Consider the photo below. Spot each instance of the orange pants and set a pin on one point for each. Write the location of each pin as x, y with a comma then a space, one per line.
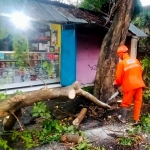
135, 95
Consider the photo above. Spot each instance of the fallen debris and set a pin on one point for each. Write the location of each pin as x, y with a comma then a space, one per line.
80, 117
72, 138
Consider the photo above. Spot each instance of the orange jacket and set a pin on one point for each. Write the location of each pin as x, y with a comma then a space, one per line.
129, 74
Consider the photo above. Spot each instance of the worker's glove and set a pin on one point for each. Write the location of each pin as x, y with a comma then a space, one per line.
115, 86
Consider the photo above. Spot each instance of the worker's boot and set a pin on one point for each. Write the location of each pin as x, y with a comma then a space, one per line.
123, 114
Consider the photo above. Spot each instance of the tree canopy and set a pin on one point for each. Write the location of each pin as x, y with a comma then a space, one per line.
143, 20
106, 5
92, 4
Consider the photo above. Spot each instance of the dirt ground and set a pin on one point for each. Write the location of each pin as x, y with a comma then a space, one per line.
104, 132
100, 131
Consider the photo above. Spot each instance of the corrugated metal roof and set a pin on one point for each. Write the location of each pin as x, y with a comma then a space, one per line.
38, 11
35, 10
48, 12
136, 31
71, 18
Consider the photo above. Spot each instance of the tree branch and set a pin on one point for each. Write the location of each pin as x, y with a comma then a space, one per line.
19, 101
17, 121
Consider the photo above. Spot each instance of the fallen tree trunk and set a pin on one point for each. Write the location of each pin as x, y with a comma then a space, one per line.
8, 107
80, 117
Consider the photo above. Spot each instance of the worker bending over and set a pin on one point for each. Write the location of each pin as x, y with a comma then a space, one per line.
129, 76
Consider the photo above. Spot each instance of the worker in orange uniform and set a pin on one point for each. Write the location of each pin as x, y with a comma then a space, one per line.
129, 76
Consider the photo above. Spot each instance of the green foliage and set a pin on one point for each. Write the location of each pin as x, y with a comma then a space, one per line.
49, 130
18, 92
145, 121
85, 145
145, 42
146, 96
20, 45
146, 66
40, 109
4, 96
88, 89
126, 141
21, 48
92, 4
26, 138
52, 129
144, 127
101, 148
4, 144
49, 126
147, 147
97, 4
134, 131
142, 20
48, 66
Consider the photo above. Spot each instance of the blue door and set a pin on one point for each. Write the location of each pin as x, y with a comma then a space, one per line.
68, 58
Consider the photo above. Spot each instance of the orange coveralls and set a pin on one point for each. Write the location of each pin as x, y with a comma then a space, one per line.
129, 76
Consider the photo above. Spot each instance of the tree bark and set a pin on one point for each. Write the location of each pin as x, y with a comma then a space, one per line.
11, 106
108, 59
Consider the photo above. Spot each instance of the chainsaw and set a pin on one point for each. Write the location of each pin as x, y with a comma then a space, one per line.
113, 96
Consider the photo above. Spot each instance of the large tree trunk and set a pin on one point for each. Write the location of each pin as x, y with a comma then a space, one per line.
108, 59
10, 108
